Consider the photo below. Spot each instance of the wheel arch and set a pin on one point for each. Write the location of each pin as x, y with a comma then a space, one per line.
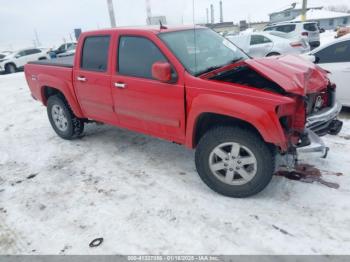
219, 111
207, 121
49, 90
11, 63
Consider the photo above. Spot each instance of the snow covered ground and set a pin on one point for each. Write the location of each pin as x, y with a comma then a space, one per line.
143, 195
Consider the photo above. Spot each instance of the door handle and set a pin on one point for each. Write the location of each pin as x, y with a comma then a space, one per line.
120, 85
81, 79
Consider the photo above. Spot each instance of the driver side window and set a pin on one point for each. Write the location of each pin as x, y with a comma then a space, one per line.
137, 55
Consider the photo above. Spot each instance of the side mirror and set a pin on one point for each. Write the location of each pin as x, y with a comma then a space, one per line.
17, 56
322, 30
311, 58
161, 71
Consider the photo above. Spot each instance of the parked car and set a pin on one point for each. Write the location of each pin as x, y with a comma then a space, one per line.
69, 52
245, 117
335, 58
264, 44
63, 49
295, 30
11, 62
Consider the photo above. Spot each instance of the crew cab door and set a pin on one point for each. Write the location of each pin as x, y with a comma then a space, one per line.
141, 102
336, 59
92, 78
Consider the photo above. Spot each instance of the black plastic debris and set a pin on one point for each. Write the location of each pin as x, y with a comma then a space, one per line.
96, 242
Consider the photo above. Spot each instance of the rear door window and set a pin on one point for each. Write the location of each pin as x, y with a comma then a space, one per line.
336, 53
32, 51
271, 28
137, 55
311, 27
285, 28
95, 53
259, 39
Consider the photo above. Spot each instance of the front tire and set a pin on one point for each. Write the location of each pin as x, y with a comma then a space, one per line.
62, 119
10, 69
234, 162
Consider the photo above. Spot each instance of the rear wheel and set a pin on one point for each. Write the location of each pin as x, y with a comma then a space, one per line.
10, 69
62, 119
234, 162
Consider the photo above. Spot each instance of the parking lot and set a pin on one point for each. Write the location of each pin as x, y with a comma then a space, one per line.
143, 195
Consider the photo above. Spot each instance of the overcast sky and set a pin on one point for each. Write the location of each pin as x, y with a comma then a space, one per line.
55, 20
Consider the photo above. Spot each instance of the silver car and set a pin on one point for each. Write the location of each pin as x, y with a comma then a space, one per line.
295, 30
259, 44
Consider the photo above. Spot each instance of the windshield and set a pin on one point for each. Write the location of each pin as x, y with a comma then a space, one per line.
202, 50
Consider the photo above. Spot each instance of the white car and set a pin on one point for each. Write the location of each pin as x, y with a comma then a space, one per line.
295, 30
264, 44
10, 62
69, 52
335, 58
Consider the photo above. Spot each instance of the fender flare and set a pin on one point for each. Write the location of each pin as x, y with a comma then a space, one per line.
265, 122
64, 87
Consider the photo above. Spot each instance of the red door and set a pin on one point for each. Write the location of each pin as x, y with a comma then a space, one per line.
142, 103
93, 79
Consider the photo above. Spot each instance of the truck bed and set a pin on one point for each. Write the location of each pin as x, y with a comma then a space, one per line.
67, 61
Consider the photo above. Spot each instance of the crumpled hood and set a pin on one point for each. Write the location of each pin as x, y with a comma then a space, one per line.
293, 73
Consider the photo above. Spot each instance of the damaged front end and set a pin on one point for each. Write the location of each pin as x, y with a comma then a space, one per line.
313, 111
321, 118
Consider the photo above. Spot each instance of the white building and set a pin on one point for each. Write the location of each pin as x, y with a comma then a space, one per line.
326, 19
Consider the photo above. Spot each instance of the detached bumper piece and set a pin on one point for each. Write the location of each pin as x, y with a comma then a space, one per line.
312, 145
325, 121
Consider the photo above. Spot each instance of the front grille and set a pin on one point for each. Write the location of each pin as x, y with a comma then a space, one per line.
318, 101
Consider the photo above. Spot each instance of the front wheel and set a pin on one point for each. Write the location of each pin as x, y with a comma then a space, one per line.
234, 162
10, 69
62, 119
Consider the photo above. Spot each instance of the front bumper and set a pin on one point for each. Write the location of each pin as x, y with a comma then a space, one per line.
324, 121
318, 124
316, 147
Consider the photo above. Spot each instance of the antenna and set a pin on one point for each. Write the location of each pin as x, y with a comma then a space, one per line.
161, 25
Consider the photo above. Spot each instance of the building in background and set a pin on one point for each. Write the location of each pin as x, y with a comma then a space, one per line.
328, 20
156, 20
289, 13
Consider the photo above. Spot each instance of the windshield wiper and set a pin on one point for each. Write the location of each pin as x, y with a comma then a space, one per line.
212, 68
209, 69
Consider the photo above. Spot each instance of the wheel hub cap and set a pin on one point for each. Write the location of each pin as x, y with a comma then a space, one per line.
233, 164
59, 118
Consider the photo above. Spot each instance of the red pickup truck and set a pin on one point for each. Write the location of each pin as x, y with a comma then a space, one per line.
245, 117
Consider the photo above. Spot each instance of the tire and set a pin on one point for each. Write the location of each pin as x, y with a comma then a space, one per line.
62, 119
251, 148
273, 54
10, 69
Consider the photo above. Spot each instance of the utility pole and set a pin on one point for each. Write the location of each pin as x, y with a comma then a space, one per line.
148, 11
111, 13
207, 16
304, 11
221, 13
212, 18
37, 38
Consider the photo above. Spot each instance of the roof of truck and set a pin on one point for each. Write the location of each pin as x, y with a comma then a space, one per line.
153, 29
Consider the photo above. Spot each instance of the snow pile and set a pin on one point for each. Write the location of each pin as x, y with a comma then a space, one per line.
143, 195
